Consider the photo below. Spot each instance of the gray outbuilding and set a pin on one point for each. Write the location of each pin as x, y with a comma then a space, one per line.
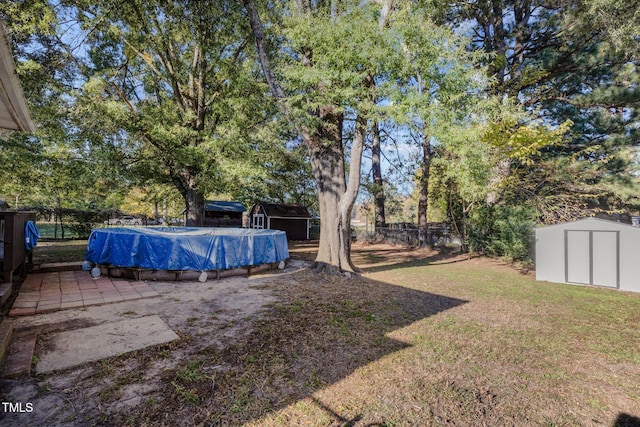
590, 252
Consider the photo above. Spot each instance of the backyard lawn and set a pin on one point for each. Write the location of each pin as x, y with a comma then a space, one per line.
419, 339
59, 251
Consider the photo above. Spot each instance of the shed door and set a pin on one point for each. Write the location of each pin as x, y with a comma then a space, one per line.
592, 257
605, 258
258, 221
578, 257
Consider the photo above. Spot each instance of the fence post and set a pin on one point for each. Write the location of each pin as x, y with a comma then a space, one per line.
422, 237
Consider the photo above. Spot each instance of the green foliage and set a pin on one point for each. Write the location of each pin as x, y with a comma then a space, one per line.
346, 50
522, 142
56, 165
502, 230
461, 165
569, 145
619, 19
143, 94
150, 94
357, 65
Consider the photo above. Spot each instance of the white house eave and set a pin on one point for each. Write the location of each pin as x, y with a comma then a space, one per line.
14, 113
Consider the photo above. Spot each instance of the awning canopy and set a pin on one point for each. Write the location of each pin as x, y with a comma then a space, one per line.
14, 113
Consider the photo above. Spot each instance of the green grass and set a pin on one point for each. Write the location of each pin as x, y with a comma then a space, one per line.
186, 395
604, 320
59, 251
190, 373
51, 231
514, 352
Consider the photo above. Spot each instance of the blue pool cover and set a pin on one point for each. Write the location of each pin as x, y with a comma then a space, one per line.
186, 248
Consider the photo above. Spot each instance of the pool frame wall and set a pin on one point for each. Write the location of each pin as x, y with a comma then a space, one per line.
183, 275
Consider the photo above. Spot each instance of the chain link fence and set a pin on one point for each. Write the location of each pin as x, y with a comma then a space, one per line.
65, 224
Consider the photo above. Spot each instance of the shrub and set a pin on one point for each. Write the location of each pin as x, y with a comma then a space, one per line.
505, 231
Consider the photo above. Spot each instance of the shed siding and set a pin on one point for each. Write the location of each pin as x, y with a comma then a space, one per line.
292, 219
296, 229
630, 262
550, 255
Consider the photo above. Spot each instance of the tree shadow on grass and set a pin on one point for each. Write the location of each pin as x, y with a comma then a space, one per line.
322, 329
626, 420
411, 259
372, 258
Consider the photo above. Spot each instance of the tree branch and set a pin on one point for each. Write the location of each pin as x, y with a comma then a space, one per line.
258, 36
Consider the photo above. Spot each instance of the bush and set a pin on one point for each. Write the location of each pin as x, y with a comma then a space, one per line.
505, 231
63, 223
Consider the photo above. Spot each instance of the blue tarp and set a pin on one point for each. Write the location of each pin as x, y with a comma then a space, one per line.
186, 248
31, 235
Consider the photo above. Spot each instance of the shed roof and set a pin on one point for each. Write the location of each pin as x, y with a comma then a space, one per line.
223, 206
593, 222
14, 113
282, 210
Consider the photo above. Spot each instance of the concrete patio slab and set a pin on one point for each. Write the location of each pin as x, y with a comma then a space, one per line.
75, 347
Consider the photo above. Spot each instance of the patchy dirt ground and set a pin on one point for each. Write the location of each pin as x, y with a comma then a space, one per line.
208, 315
224, 319
421, 338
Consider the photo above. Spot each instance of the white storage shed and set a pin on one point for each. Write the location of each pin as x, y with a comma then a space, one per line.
591, 252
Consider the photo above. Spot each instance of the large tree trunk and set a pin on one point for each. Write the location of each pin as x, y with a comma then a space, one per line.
336, 196
194, 204
423, 190
378, 186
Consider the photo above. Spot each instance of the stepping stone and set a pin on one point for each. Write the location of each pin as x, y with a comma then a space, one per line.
76, 347
20, 355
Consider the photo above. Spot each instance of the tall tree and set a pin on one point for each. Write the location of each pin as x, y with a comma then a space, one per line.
560, 62
511, 32
338, 63
449, 96
376, 167
54, 166
147, 94
176, 78
323, 95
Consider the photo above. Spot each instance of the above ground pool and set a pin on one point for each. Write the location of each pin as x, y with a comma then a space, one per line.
186, 248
